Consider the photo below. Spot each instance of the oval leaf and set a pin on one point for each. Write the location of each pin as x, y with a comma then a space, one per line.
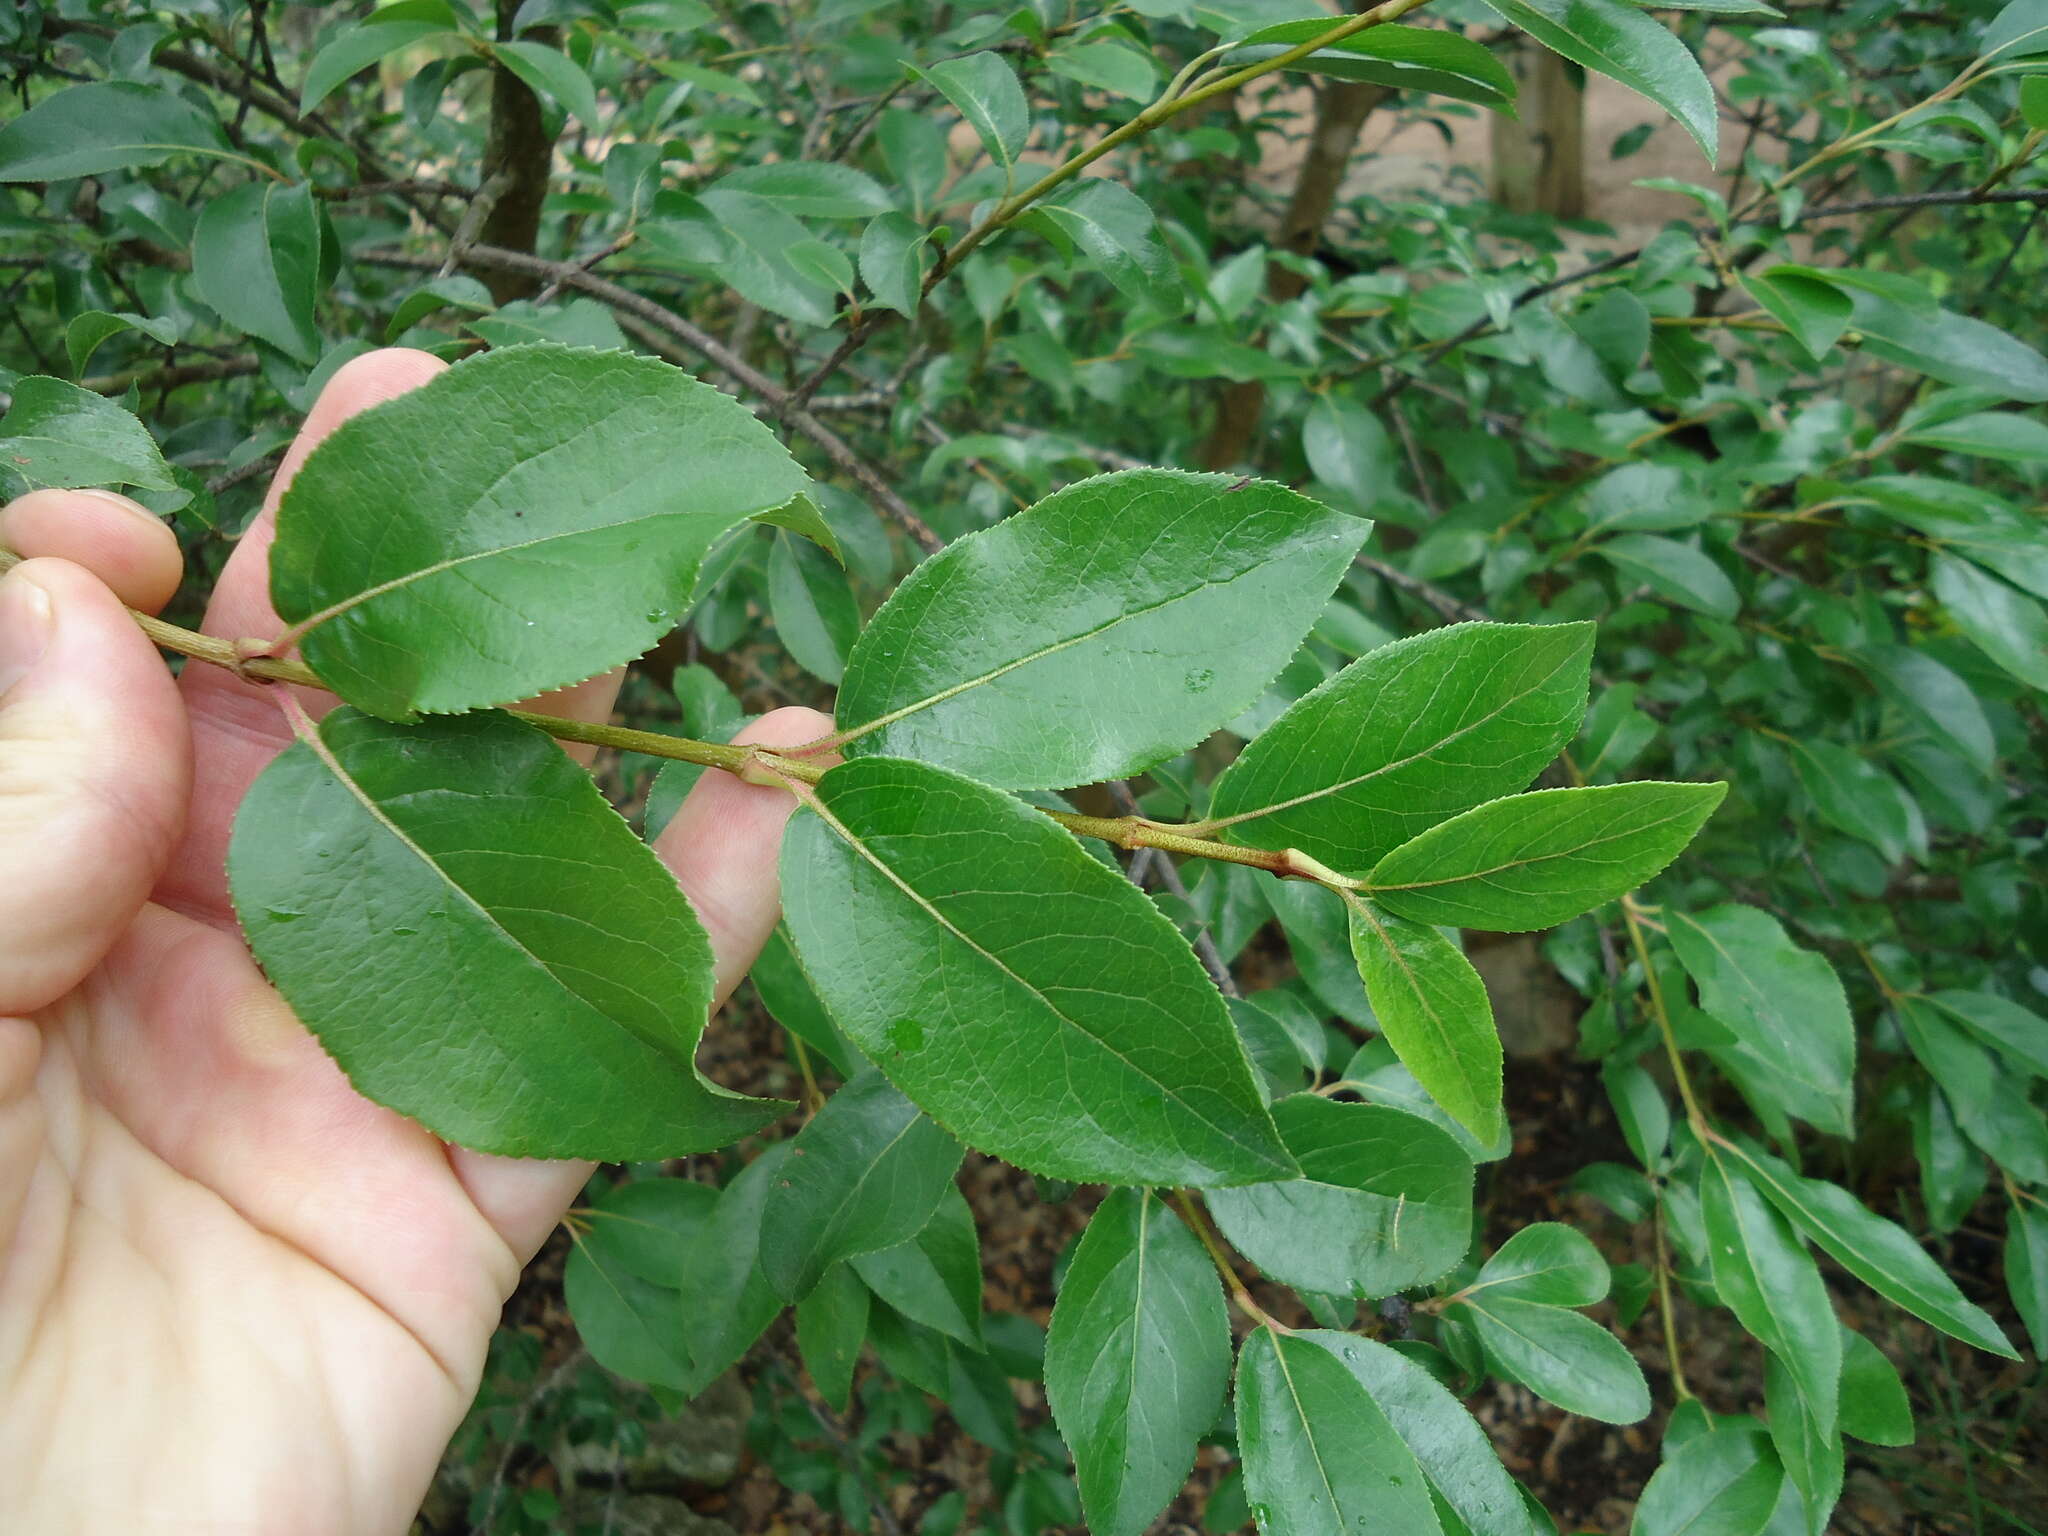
1617, 40
87, 130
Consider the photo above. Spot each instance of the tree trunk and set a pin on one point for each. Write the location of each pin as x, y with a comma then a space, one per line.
518, 156
1539, 163
1342, 107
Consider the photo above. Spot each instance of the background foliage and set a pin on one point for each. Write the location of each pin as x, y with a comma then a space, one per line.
1781, 449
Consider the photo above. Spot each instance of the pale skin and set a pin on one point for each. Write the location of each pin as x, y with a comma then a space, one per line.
235, 1296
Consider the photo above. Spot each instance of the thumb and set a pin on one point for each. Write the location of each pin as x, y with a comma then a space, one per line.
95, 769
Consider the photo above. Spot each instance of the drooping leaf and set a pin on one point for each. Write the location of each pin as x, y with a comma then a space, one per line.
892, 262
2017, 31
1383, 1204
831, 1324
1616, 39
1989, 434
1878, 1252
1035, 1002
426, 571
649, 1227
1320, 1458
1956, 349
1115, 229
1547, 1262
553, 75
934, 1278
1814, 1462
1855, 795
1723, 1483
815, 615
1136, 1359
82, 337
1562, 1356
1875, 1408
1456, 1455
866, 1174
56, 434
481, 942
984, 90
1783, 1004
355, 49
1433, 1009
1112, 626
1536, 860
256, 258
725, 1286
1677, 572
2019, 1033
632, 1322
1405, 736
1432, 59
2026, 1269
1814, 312
88, 130
1933, 695
2006, 624
1771, 1283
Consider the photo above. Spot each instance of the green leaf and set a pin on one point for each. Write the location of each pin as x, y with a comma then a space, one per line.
575, 322
1383, 1203
1432, 59
1784, 1005
1318, 936
892, 262
1136, 1359
815, 615
1112, 626
2034, 101
1536, 860
1348, 449
1953, 348
552, 74
1880, 1253
1723, 1483
1766, 1277
1456, 1455
831, 1324
56, 434
426, 571
355, 49
1925, 689
622, 1281
1961, 1067
82, 337
1405, 736
865, 1174
2017, 31
650, 1226
88, 130
480, 942
1619, 41
1433, 1009
1036, 1003
811, 188
1990, 434
1970, 521
2004, 623
1875, 1409
786, 993
1549, 1263
1114, 67
935, 1277
2026, 1269
256, 260
984, 90
730, 1302
2020, 1033
1854, 795
1560, 1355
1115, 229
1676, 572
1815, 313
1320, 1458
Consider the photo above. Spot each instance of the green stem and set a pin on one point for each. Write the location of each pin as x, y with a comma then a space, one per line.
1694, 1115
1182, 1201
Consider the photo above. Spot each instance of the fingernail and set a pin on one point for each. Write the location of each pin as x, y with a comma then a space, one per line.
125, 503
24, 627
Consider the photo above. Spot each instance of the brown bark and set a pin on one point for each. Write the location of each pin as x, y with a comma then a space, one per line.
1539, 162
1342, 107
518, 156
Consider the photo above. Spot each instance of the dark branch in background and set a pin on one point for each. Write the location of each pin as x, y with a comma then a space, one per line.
199, 372
518, 155
664, 329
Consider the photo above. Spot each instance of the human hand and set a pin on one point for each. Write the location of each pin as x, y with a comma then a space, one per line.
235, 1296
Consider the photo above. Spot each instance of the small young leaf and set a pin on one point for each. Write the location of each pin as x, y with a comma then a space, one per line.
831, 1324
1772, 1285
1723, 1483
1405, 736
1549, 1263
1875, 1408
1784, 1005
256, 259
1320, 1458
429, 571
1383, 1204
88, 130
866, 1174
1533, 861
1110, 627
985, 91
935, 1278
1136, 1359
1035, 1002
1433, 1009
56, 434
481, 942
1617, 40
1560, 1355
1880, 1253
